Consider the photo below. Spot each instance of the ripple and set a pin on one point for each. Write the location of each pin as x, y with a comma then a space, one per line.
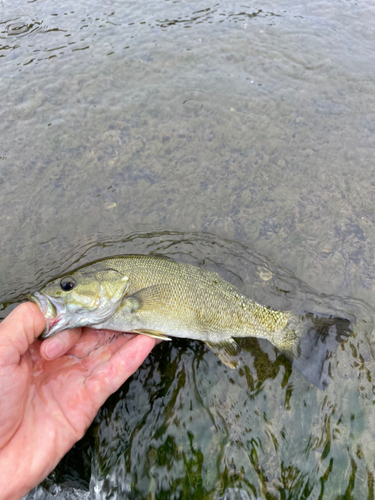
210, 14
20, 28
192, 101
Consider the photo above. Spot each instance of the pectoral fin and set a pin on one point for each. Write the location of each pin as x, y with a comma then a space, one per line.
152, 333
226, 351
152, 297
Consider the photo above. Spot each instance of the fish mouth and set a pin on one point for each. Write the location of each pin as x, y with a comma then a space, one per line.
52, 309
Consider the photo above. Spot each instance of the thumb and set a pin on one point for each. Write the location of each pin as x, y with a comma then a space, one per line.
18, 330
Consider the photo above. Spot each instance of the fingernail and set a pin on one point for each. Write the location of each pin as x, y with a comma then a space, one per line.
54, 348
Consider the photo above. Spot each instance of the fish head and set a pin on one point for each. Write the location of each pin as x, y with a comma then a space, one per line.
82, 298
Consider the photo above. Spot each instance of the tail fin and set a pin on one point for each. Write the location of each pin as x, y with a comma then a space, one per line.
320, 336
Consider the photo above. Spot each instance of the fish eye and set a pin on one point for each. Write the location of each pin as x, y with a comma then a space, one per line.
68, 283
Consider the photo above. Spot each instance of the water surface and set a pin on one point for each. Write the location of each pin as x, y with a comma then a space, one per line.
234, 136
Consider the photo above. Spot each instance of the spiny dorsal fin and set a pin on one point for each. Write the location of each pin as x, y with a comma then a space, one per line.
226, 351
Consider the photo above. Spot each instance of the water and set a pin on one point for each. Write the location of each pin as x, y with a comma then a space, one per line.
186, 426
234, 136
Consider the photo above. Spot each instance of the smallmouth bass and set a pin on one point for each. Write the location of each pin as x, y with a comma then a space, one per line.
161, 298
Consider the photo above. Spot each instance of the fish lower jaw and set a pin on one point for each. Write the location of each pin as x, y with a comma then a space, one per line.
51, 323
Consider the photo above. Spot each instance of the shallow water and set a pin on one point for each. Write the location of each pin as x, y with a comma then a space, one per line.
237, 137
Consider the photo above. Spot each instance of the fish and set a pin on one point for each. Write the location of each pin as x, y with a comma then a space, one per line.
162, 298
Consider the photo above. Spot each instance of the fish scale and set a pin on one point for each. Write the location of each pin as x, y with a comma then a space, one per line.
198, 303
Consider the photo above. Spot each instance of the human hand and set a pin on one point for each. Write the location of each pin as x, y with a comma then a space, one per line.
51, 391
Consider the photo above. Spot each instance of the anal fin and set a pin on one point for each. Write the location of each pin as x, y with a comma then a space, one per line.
226, 351
151, 333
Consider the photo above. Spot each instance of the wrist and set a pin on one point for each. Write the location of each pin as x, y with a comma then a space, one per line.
12, 488
18, 474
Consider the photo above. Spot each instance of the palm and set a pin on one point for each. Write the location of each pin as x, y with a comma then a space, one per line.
48, 405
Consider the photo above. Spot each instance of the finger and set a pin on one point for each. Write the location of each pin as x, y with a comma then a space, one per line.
108, 377
19, 329
60, 343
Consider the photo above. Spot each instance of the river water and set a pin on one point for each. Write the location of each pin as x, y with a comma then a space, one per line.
236, 136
